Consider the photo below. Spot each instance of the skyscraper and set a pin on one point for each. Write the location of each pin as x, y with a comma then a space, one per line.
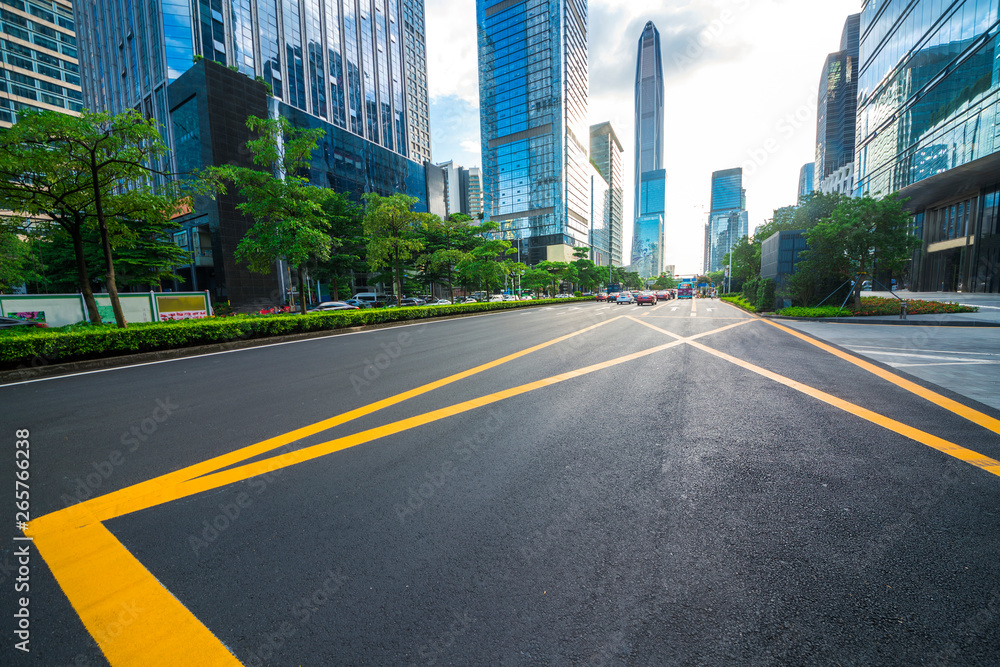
359, 65
533, 81
650, 177
727, 220
39, 66
928, 100
835, 115
806, 173
606, 151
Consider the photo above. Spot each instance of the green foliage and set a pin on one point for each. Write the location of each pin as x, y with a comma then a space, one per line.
822, 311
22, 348
15, 258
391, 228
578, 293
759, 293
877, 305
665, 282
738, 300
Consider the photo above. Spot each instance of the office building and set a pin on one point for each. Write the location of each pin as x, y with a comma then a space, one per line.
728, 220
928, 103
650, 177
460, 190
837, 105
345, 63
533, 81
39, 63
600, 218
339, 67
607, 153
806, 179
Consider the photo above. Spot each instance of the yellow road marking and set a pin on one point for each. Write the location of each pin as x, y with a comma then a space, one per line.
694, 307
940, 444
133, 618
964, 411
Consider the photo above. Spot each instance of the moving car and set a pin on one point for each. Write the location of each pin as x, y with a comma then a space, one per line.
602, 296
13, 322
646, 298
625, 297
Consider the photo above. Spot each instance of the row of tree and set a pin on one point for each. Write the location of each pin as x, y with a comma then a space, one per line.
850, 239
86, 207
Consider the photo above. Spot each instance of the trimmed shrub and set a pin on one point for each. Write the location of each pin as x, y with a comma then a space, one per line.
32, 347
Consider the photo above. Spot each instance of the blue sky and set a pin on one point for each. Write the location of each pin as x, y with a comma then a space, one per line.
741, 80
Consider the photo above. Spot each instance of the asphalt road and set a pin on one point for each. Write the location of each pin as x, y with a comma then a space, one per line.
573, 485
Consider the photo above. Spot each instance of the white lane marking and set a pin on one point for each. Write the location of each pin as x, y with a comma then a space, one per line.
875, 350
931, 356
945, 363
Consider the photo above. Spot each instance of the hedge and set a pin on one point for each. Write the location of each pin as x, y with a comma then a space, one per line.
33, 347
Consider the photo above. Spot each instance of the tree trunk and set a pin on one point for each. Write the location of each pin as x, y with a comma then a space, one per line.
399, 280
300, 274
109, 263
83, 276
336, 287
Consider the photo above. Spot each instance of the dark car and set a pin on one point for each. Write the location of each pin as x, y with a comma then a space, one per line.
645, 298
13, 322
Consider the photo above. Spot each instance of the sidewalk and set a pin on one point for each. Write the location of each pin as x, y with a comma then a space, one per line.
988, 315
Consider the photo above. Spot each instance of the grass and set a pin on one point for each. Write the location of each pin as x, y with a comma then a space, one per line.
879, 306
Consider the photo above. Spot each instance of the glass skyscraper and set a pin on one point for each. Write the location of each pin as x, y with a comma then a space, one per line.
650, 177
357, 64
606, 151
533, 81
728, 220
806, 186
39, 65
837, 106
929, 127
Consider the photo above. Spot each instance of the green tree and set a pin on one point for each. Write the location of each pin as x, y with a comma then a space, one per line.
91, 170
665, 282
391, 228
289, 219
348, 243
15, 258
862, 234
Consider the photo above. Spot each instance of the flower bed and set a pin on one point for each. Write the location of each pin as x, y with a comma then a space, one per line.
879, 305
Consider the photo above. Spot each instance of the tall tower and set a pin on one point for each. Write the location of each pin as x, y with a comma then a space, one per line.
358, 65
39, 66
533, 81
650, 176
606, 151
837, 112
728, 220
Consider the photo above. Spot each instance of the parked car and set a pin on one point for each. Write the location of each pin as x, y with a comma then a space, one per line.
439, 302
13, 322
625, 297
359, 303
496, 298
509, 297
645, 298
332, 305
467, 299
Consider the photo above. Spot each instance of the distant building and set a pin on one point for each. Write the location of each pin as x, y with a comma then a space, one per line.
606, 151
39, 63
533, 86
837, 107
806, 179
600, 218
650, 182
779, 253
728, 220
928, 98
454, 189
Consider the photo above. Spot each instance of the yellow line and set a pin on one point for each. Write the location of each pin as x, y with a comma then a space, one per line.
133, 618
694, 306
143, 496
948, 404
940, 444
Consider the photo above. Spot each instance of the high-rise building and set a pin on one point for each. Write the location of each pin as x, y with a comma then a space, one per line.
355, 69
461, 191
607, 153
39, 64
728, 220
359, 65
650, 177
835, 116
533, 81
806, 186
928, 100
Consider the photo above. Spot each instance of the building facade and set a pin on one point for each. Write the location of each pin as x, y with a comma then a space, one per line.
533, 80
650, 207
806, 182
928, 106
607, 153
460, 190
728, 220
359, 65
39, 62
837, 106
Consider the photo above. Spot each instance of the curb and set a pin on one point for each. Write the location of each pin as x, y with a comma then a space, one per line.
912, 323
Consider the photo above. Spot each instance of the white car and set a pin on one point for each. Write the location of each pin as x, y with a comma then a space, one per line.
439, 302
496, 298
509, 297
625, 297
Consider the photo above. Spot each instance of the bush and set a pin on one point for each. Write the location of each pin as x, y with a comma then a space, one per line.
738, 300
765, 295
822, 311
878, 305
24, 346
578, 294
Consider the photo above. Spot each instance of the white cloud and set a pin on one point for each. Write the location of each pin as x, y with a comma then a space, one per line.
741, 80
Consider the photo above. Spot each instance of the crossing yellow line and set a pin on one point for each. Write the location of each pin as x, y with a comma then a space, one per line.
134, 619
975, 416
940, 444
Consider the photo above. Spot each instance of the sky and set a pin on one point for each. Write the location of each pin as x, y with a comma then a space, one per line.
741, 81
